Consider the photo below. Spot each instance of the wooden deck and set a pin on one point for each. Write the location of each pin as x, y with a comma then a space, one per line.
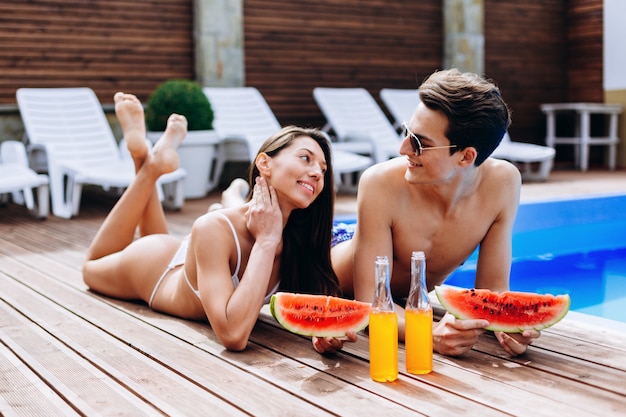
65, 351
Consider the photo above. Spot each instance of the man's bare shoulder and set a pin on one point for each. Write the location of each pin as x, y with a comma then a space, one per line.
500, 175
379, 188
501, 186
385, 173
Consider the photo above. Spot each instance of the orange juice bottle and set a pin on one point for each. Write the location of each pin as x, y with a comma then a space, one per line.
418, 320
383, 328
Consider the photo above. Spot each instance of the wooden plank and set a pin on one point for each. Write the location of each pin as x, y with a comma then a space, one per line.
591, 367
591, 334
255, 360
582, 365
276, 365
21, 388
132, 372
258, 358
202, 337
348, 366
546, 394
564, 381
161, 370
47, 255
81, 384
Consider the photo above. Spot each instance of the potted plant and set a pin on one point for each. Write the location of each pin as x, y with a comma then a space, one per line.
199, 149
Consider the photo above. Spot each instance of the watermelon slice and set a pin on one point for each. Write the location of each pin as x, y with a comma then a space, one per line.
319, 315
510, 311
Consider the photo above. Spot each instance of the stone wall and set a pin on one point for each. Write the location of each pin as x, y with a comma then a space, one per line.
464, 37
218, 36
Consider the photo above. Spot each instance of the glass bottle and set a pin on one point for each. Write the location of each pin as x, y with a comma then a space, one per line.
383, 327
418, 320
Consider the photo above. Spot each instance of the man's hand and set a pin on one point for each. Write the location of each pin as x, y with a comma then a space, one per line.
454, 337
516, 343
332, 344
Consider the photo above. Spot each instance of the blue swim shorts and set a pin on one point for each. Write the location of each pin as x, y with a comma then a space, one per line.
342, 232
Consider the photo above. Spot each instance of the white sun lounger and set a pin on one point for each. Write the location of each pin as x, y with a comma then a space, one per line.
244, 120
19, 181
67, 131
358, 122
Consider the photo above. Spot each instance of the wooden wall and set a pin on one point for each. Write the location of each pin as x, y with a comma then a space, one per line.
543, 51
108, 45
537, 51
585, 26
293, 46
585, 61
526, 54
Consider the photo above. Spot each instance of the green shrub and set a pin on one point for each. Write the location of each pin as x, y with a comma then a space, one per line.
183, 97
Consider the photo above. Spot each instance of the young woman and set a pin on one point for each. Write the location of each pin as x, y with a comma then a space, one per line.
233, 259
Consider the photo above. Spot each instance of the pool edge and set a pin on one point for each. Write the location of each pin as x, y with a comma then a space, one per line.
597, 321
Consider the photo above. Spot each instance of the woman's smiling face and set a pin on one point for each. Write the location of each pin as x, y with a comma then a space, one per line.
297, 172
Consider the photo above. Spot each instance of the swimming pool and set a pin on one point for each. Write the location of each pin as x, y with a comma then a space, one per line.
574, 246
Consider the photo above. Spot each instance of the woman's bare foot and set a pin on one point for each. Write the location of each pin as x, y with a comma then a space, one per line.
236, 193
215, 207
129, 112
233, 196
163, 155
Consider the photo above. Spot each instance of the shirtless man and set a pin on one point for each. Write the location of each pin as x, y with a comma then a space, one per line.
445, 197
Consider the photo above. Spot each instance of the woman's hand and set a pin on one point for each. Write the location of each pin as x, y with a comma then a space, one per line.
516, 343
263, 217
332, 344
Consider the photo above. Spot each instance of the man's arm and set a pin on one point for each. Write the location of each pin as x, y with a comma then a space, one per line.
502, 190
372, 236
494, 258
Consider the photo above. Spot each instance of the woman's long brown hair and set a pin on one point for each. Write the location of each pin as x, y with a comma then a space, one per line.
305, 264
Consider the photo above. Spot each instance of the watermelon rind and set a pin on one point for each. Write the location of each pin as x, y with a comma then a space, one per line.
323, 319
511, 305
